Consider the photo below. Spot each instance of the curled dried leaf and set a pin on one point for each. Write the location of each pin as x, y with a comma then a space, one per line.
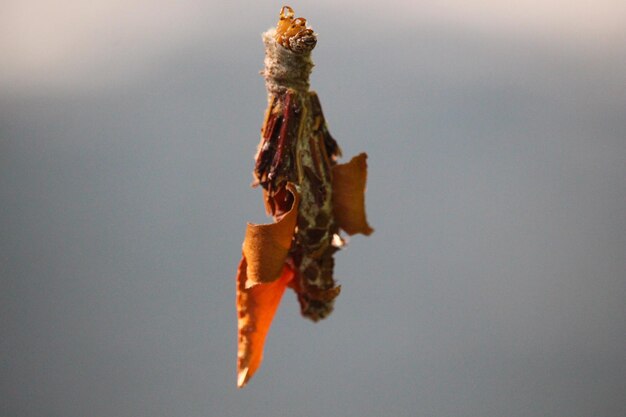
266, 246
349, 195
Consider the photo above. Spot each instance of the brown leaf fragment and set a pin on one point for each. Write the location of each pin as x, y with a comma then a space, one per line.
349, 195
319, 126
266, 246
256, 307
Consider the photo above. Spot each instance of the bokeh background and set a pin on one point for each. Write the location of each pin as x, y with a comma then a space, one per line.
494, 285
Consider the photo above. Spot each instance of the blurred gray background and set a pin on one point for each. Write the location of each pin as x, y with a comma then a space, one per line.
494, 285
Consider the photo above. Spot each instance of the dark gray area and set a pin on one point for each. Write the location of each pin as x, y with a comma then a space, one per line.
494, 285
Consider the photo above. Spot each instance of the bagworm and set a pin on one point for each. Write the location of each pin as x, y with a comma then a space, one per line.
310, 196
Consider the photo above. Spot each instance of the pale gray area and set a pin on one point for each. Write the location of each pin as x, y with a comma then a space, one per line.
494, 285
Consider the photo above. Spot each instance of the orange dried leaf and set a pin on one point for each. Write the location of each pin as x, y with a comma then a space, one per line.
349, 195
266, 246
256, 307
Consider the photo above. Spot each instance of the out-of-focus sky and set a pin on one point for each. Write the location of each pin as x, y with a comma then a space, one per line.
494, 285
73, 44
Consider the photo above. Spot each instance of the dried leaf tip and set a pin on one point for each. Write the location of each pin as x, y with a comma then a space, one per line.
256, 307
294, 34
